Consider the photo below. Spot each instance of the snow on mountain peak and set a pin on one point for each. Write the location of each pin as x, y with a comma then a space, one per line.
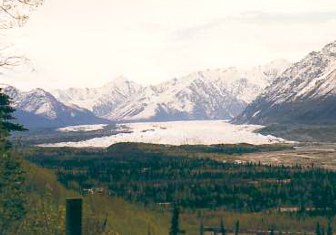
117, 81
100, 100
304, 92
2, 85
207, 94
330, 49
211, 93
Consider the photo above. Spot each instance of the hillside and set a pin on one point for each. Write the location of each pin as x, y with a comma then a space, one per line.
46, 210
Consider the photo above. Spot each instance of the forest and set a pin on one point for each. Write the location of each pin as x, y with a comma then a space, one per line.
152, 175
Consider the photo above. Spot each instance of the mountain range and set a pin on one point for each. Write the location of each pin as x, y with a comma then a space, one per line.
40, 109
304, 93
209, 94
278, 92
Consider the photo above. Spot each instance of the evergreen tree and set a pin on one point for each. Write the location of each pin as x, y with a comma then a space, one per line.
237, 228
222, 227
329, 229
318, 229
6, 120
12, 199
201, 228
174, 226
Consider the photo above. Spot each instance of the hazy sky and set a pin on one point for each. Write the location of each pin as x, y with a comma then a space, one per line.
87, 43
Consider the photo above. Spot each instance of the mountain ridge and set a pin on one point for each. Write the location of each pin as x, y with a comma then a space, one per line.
304, 93
208, 94
40, 109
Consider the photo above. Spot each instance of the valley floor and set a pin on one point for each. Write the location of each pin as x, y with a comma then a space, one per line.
321, 155
124, 168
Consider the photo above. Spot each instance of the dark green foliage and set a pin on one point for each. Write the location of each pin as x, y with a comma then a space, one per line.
6, 120
237, 228
160, 177
222, 228
174, 226
318, 229
12, 197
6, 115
227, 149
329, 229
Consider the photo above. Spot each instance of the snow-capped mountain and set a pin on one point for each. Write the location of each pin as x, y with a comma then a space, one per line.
101, 101
305, 92
195, 99
210, 94
38, 108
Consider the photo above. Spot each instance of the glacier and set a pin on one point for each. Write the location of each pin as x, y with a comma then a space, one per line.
179, 133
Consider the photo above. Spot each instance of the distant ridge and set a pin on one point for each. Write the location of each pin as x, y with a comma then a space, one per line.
209, 94
40, 109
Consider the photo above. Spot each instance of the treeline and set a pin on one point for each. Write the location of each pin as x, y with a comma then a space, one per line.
154, 177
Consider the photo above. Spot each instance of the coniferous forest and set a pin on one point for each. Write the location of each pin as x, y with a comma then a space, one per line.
154, 178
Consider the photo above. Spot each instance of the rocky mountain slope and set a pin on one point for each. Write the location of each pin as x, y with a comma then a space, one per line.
40, 109
210, 94
101, 101
304, 93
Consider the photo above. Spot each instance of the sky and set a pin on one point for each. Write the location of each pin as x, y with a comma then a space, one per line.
85, 43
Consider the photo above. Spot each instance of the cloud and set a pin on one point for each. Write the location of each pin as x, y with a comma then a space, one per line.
259, 18
81, 43
285, 17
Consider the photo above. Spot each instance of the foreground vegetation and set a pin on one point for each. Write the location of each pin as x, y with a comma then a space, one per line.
45, 210
157, 177
45, 192
46, 213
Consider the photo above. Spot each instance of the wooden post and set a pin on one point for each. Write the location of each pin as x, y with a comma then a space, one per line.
74, 216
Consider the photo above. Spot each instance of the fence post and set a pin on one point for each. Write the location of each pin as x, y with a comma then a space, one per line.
74, 216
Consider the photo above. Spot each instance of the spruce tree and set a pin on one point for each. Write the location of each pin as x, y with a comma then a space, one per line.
318, 229
329, 229
222, 227
6, 120
237, 228
174, 226
12, 199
